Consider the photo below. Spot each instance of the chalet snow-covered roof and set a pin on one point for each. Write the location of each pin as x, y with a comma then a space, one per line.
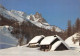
36, 39
55, 45
47, 40
62, 41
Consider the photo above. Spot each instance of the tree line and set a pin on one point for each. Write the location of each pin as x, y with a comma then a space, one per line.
73, 28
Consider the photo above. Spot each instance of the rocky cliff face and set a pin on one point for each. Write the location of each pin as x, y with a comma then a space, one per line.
40, 18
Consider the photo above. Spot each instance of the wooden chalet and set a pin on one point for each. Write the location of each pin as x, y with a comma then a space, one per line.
50, 43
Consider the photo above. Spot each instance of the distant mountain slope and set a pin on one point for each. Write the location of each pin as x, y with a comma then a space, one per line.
6, 39
20, 16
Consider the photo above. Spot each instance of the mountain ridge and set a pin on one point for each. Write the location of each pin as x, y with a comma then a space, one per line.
20, 16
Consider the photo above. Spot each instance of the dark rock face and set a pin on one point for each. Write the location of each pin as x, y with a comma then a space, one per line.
39, 16
31, 18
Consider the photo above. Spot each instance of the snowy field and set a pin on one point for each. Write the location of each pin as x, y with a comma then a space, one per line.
26, 51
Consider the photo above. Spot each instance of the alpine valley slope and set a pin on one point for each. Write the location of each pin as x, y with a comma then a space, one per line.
6, 38
20, 16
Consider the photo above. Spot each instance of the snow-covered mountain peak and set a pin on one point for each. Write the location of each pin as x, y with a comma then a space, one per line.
40, 18
19, 13
35, 19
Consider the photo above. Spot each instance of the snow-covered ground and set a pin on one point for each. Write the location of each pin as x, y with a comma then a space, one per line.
70, 42
26, 51
7, 39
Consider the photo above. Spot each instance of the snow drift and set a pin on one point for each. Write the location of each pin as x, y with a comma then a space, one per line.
70, 40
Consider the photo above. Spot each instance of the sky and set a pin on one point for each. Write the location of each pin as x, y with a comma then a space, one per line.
56, 12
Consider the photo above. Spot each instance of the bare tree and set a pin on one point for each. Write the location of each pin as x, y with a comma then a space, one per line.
77, 24
69, 30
